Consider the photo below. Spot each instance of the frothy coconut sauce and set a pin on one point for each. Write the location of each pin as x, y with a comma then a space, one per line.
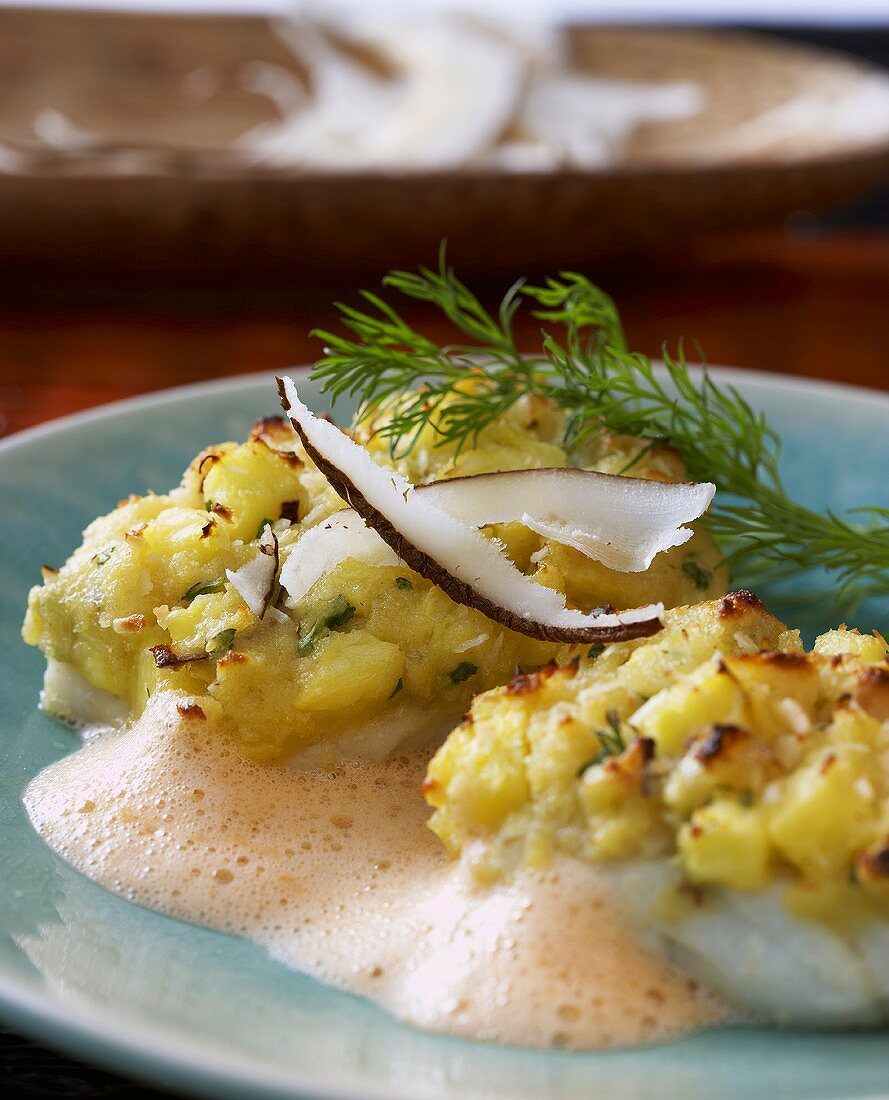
338, 876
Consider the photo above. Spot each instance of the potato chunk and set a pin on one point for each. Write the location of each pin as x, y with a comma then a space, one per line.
725, 844
827, 811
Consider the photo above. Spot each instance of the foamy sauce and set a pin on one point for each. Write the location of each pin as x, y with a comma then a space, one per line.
338, 876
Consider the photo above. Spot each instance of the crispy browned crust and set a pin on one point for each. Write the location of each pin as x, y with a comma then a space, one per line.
872, 694
458, 590
130, 624
630, 767
718, 742
190, 710
233, 657
165, 657
524, 683
273, 432
208, 459
736, 604
268, 426
874, 865
782, 658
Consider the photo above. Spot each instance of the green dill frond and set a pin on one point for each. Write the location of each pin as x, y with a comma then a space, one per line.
585, 366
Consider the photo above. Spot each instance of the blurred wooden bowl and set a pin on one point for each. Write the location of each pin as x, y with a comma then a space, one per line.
190, 208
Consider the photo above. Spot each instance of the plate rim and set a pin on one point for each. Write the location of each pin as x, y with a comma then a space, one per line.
145, 1050
734, 376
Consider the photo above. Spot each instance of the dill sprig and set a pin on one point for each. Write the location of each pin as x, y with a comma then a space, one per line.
588, 370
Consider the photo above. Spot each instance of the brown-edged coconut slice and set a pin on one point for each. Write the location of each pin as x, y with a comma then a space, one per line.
255, 580
623, 522
553, 493
470, 568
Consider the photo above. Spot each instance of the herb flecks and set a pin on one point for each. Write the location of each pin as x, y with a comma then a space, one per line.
104, 556
338, 614
404, 584
221, 643
307, 641
263, 523
464, 671
595, 650
584, 365
398, 687
611, 739
202, 588
701, 578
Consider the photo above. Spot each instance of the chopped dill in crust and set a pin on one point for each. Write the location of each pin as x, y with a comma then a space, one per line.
340, 612
611, 739
699, 577
221, 643
464, 671
202, 588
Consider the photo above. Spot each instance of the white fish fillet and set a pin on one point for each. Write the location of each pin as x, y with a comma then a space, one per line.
750, 948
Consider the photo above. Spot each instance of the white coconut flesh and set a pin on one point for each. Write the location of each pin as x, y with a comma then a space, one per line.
624, 526
345, 535
470, 568
623, 522
255, 580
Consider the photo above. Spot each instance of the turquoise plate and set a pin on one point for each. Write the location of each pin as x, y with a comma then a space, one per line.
84, 970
